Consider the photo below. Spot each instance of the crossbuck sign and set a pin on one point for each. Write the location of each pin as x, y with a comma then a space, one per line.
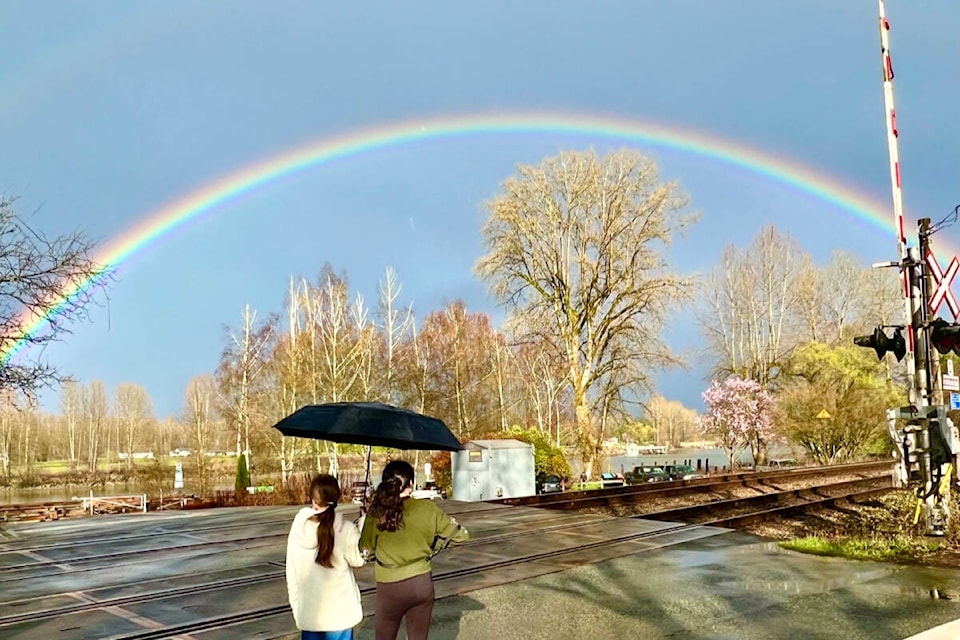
943, 281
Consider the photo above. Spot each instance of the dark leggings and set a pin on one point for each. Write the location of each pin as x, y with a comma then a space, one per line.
412, 598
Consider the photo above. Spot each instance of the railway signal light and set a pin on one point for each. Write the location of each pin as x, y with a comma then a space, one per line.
879, 342
945, 337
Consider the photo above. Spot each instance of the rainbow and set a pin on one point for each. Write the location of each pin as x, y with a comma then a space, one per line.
150, 229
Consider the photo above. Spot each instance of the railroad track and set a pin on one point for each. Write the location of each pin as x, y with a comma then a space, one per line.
247, 580
739, 511
576, 500
139, 555
196, 548
282, 609
690, 517
269, 574
721, 513
715, 484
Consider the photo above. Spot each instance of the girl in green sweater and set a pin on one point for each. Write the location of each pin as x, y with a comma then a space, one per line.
403, 533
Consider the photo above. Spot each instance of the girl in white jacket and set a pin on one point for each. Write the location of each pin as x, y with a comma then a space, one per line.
321, 549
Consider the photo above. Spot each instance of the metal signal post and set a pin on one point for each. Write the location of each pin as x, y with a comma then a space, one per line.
925, 438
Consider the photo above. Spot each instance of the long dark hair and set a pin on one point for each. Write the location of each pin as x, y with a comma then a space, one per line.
387, 505
324, 490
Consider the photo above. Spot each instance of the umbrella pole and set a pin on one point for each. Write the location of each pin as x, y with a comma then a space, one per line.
367, 478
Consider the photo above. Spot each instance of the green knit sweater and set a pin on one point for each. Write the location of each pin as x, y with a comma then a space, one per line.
405, 553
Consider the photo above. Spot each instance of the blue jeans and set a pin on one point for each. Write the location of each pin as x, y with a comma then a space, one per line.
346, 634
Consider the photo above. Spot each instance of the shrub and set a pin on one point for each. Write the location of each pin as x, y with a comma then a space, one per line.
243, 475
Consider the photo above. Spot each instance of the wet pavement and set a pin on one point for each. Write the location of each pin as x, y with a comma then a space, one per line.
734, 586
192, 573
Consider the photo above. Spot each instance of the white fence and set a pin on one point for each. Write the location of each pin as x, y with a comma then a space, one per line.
138, 502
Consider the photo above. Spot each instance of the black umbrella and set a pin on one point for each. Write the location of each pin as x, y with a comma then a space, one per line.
369, 423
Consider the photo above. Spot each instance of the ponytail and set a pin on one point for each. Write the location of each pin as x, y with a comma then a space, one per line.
387, 505
324, 490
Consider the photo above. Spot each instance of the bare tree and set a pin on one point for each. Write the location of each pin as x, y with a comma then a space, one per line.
95, 412
14, 413
240, 366
673, 422
40, 277
541, 371
170, 435
579, 240
337, 351
749, 298
844, 294
500, 355
810, 304
133, 409
882, 300
198, 410
460, 386
286, 371
71, 406
396, 325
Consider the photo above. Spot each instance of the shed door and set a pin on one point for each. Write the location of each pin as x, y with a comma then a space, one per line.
476, 487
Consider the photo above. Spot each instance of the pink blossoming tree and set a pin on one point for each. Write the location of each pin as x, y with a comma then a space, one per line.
740, 415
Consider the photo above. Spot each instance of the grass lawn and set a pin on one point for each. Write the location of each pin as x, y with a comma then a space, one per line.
58, 467
881, 549
586, 485
881, 529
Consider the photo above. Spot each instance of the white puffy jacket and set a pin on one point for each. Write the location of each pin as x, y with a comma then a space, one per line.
323, 599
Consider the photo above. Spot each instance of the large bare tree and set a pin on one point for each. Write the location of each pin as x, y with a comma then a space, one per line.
40, 277
579, 240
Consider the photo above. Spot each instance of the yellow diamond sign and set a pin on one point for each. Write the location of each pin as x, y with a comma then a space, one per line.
823, 415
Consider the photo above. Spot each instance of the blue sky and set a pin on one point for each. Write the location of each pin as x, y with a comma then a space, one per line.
109, 110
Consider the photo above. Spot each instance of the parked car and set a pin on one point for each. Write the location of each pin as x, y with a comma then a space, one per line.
777, 464
360, 492
782, 463
430, 491
681, 472
611, 480
646, 473
549, 484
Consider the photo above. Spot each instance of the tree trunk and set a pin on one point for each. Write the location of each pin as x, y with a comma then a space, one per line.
583, 430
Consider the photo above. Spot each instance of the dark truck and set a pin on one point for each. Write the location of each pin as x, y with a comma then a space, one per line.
681, 472
644, 474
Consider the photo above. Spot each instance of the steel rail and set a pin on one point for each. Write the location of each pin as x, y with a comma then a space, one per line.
798, 472
686, 513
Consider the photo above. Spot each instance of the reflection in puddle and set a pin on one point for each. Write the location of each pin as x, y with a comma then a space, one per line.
774, 569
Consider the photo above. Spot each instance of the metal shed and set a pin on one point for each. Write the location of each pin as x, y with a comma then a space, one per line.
487, 469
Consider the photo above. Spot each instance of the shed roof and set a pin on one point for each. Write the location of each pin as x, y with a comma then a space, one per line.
509, 443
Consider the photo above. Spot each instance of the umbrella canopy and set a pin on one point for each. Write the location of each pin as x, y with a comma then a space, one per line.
369, 423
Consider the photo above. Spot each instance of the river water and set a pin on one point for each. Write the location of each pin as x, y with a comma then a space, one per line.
66, 493
32, 495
